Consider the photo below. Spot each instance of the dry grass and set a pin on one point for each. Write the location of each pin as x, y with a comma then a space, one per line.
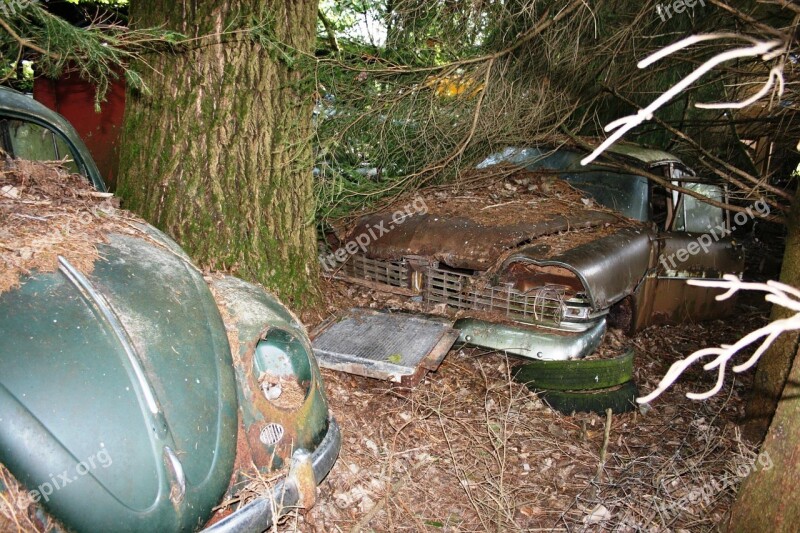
17, 511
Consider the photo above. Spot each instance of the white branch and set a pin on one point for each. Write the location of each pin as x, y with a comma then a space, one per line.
775, 74
764, 49
777, 293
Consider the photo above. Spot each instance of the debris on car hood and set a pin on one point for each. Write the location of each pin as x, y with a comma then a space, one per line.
497, 211
45, 212
461, 242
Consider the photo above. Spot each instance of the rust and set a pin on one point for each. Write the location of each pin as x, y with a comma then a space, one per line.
260, 455
460, 242
676, 301
526, 277
303, 474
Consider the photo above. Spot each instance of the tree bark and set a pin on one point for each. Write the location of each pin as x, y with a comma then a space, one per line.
773, 367
767, 499
218, 152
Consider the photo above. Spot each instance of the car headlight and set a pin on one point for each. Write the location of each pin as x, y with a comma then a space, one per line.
282, 366
575, 313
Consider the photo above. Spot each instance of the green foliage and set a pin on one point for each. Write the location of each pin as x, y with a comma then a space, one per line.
454, 80
98, 51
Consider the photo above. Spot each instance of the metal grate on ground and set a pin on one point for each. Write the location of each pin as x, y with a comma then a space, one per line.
384, 345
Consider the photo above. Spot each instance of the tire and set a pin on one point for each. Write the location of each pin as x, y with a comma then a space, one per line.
577, 374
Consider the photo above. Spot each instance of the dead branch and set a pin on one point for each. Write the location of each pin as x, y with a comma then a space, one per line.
777, 293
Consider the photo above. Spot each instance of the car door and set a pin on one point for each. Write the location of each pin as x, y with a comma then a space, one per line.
694, 243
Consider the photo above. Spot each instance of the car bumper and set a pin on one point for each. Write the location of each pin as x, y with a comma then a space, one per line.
297, 489
532, 342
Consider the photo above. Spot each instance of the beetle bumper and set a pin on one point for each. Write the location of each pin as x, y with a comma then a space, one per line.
297, 489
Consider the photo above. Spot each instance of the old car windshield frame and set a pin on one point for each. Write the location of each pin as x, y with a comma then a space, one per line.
17, 106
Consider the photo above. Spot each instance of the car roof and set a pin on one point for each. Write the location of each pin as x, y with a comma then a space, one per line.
652, 157
14, 104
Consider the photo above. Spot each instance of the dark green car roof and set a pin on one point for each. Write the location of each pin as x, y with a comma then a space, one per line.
16, 105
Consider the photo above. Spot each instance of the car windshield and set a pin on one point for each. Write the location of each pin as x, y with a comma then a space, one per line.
624, 193
37, 143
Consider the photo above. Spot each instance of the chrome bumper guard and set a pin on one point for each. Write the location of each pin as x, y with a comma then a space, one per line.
297, 489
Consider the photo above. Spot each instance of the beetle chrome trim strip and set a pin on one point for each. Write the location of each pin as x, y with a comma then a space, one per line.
91, 295
176, 467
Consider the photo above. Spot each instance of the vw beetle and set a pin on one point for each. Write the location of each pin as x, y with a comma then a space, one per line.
130, 397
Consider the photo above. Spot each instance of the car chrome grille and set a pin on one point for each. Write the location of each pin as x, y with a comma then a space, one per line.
543, 304
394, 273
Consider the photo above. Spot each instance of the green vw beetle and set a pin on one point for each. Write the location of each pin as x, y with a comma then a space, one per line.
133, 398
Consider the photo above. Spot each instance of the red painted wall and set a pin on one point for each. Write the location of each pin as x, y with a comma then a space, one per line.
74, 98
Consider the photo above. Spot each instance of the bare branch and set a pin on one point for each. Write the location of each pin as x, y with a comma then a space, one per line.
777, 293
25, 43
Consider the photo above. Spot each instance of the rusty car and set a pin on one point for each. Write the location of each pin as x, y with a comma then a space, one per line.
141, 393
534, 275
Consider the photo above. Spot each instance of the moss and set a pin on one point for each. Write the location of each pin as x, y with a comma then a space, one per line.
189, 169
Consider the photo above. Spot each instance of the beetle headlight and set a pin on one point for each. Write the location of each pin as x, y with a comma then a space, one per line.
282, 364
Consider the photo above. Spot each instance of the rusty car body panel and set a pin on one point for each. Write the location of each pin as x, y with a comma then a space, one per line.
606, 277
459, 241
511, 290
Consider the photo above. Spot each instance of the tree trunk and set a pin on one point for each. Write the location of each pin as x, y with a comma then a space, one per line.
774, 365
767, 499
218, 152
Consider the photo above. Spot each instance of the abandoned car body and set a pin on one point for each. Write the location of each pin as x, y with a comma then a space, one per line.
546, 283
154, 368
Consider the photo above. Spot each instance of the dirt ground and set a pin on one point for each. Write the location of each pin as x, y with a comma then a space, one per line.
468, 449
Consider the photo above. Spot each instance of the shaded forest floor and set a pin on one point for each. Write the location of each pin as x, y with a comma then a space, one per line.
468, 449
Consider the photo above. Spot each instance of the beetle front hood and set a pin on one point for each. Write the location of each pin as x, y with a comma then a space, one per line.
117, 394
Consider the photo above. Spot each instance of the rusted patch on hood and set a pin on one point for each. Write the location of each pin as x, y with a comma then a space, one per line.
460, 242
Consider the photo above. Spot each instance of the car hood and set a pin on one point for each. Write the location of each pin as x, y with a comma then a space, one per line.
121, 382
460, 242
